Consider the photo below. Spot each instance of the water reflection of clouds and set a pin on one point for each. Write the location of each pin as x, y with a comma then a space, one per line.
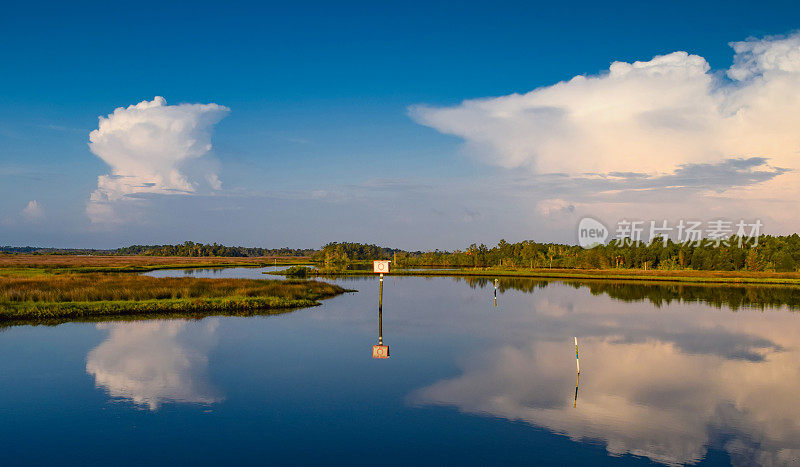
154, 362
664, 384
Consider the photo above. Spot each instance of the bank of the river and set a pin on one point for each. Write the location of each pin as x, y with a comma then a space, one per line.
57, 264
36, 288
684, 276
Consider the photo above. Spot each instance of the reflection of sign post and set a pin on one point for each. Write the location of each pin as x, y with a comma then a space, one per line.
577, 378
380, 351
381, 267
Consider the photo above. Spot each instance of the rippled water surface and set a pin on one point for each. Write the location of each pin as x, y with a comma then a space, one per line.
669, 374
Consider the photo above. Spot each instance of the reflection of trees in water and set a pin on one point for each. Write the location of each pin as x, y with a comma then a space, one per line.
346, 278
506, 283
734, 297
731, 296
760, 297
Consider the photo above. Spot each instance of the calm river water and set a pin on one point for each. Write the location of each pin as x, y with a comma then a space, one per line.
673, 375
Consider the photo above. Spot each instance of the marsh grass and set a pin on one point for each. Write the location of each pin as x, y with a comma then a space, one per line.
299, 272
78, 295
75, 263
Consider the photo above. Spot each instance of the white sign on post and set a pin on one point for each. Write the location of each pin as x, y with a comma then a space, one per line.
381, 267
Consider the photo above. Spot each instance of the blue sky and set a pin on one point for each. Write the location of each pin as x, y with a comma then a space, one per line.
319, 143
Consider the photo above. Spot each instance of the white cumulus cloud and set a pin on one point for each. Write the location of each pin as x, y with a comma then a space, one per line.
152, 148
649, 119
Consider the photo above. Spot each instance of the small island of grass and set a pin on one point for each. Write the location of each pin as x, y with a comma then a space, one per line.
37, 295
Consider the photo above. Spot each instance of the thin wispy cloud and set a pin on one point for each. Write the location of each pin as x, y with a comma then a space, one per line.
688, 179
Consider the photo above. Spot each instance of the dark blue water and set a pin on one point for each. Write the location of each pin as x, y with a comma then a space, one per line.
467, 383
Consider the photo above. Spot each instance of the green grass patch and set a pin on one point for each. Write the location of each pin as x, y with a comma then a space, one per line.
74, 296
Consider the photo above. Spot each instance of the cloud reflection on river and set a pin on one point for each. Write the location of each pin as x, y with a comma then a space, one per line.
155, 362
664, 384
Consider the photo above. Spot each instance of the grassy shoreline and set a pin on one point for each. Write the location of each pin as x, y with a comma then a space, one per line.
163, 315
79, 293
240, 306
59, 264
688, 277
140, 269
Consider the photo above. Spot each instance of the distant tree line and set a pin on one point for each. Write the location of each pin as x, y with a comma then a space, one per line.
214, 249
345, 252
35, 250
769, 253
183, 249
